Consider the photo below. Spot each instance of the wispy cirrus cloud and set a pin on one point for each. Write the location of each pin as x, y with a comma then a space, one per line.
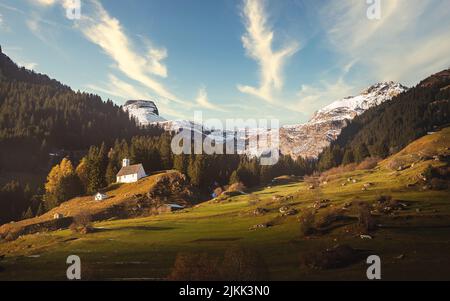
404, 45
258, 43
47, 3
314, 97
2, 23
100, 28
44, 2
143, 67
202, 101
119, 88
124, 90
107, 32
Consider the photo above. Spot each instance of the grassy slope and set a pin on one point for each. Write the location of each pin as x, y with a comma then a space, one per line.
118, 194
146, 247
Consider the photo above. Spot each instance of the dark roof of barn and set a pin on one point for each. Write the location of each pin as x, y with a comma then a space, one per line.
129, 170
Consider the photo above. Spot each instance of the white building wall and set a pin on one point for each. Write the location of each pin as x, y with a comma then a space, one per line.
133, 177
141, 174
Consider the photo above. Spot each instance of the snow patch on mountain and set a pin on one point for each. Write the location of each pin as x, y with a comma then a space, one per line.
306, 140
145, 111
309, 139
349, 107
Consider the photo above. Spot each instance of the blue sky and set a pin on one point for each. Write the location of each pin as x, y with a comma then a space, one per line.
228, 58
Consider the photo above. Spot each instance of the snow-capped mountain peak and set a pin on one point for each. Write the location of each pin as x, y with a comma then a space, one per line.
145, 111
308, 139
349, 107
305, 140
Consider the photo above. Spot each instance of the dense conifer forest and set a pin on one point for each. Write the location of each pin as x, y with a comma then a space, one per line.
387, 128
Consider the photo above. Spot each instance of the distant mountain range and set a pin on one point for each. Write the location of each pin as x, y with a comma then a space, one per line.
305, 140
309, 139
388, 127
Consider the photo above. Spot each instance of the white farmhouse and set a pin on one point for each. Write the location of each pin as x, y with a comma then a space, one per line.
130, 173
58, 216
100, 196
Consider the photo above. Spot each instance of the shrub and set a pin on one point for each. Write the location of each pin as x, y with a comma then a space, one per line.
241, 264
218, 191
82, 224
384, 199
368, 163
331, 216
253, 199
396, 163
236, 187
366, 222
311, 180
336, 257
438, 184
429, 172
195, 267
14, 234
336, 171
307, 223
443, 172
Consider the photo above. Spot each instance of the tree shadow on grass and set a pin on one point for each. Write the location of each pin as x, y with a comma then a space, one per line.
269, 193
225, 239
139, 228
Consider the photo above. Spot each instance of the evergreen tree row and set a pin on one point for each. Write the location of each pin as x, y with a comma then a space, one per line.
389, 127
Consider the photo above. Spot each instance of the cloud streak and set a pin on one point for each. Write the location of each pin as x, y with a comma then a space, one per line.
107, 32
202, 101
404, 45
44, 2
258, 43
119, 88
314, 97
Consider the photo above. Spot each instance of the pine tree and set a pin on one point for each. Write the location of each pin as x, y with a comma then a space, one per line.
40, 210
28, 214
111, 172
196, 171
165, 151
180, 164
96, 162
361, 152
234, 178
265, 175
348, 157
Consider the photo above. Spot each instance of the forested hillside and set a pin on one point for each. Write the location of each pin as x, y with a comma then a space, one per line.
40, 121
43, 121
39, 115
385, 129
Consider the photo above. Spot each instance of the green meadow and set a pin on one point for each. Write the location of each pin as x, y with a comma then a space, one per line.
413, 243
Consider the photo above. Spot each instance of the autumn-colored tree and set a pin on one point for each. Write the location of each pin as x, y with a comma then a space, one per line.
62, 184
82, 172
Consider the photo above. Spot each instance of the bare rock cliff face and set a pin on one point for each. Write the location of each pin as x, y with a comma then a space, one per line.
309, 139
